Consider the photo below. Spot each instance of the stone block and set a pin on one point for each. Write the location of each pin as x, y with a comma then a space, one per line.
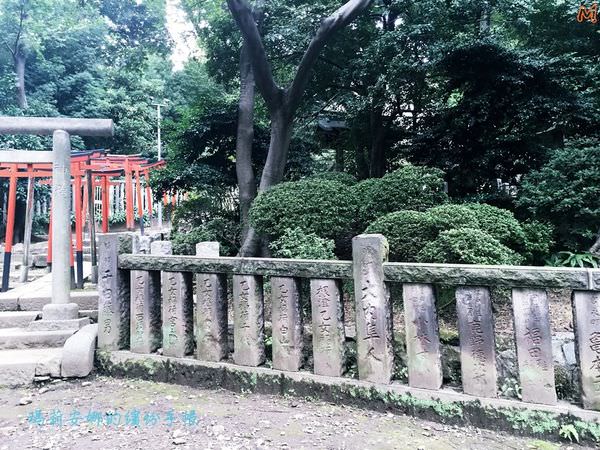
534, 345
327, 327
587, 334
286, 322
422, 336
78, 352
374, 334
248, 321
477, 344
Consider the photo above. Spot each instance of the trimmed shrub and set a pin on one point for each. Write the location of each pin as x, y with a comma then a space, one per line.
325, 208
448, 217
499, 223
227, 233
406, 231
297, 244
338, 177
467, 246
414, 188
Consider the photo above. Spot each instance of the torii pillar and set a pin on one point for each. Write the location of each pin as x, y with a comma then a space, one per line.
61, 313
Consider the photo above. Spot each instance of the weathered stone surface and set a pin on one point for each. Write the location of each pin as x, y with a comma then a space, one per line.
78, 353
211, 309
248, 321
327, 327
422, 336
177, 308
448, 274
145, 305
587, 331
374, 335
113, 292
477, 345
534, 345
286, 322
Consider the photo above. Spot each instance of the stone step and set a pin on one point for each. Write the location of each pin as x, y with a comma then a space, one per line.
20, 338
87, 300
17, 319
20, 319
19, 367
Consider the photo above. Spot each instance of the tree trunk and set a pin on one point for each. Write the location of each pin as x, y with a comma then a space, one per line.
19, 60
245, 138
377, 154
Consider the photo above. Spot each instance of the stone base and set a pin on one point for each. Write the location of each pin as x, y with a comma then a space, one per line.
53, 325
60, 311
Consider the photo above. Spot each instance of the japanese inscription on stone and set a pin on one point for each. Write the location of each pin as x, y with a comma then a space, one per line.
534, 345
248, 320
287, 324
476, 331
587, 327
422, 337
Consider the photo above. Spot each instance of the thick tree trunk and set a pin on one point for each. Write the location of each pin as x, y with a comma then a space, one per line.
245, 138
19, 60
377, 154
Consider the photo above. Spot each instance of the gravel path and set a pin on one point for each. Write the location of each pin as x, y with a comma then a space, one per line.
106, 413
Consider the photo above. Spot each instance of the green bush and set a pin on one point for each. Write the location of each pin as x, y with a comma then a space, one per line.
467, 246
227, 233
406, 231
297, 244
448, 217
414, 188
499, 223
338, 177
325, 208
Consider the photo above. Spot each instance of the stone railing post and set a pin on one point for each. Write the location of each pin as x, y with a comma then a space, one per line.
534, 345
374, 334
146, 334
177, 307
587, 335
248, 321
211, 309
286, 320
113, 292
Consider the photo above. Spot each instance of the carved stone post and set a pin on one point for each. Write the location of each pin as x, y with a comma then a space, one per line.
374, 334
177, 307
287, 324
113, 292
248, 320
328, 327
211, 309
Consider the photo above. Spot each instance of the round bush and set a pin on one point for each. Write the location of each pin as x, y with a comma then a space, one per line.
300, 245
339, 177
406, 231
467, 246
448, 217
409, 188
325, 208
499, 223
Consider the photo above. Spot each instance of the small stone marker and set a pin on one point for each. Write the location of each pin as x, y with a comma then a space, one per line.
113, 292
287, 324
248, 321
422, 336
374, 335
587, 328
146, 336
477, 345
534, 345
327, 327
211, 309
177, 307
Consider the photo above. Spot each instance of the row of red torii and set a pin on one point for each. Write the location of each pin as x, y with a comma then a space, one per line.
90, 170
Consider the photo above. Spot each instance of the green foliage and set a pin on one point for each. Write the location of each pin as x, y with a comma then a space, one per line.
467, 246
325, 208
338, 177
570, 259
408, 188
220, 230
568, 431
297, 244
407, 233
566, 193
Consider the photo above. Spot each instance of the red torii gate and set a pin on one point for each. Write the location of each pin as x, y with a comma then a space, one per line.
88, 170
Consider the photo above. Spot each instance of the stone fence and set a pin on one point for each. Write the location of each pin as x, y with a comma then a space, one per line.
147, 302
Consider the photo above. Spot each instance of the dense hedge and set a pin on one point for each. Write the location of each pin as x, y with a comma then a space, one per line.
297, 244
325, 208
467, 246
414, 188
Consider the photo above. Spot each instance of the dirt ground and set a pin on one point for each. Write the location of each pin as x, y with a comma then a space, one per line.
106, 413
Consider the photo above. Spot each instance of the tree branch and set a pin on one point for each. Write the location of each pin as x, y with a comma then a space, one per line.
338, 20
242, 14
